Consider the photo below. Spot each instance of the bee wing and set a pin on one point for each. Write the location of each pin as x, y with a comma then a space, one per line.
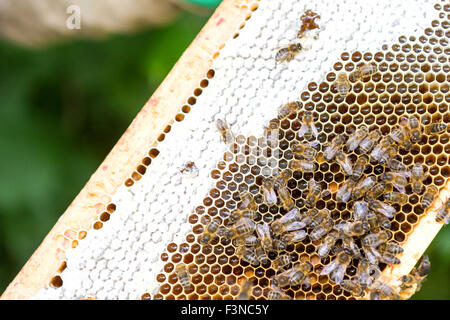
343, 194
270, 196
263, 230
298, 235
328, 268
404, 174
347, 167
338, 274
447, 219
323, 250
307, 282
296, 225
325, 193
387, 210
370, 256
303, 130
314, 130
294, 214
399, 187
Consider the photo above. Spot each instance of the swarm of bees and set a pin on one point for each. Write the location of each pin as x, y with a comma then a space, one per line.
308, 22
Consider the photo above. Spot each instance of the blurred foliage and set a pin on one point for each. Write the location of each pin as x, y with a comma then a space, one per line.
63, 108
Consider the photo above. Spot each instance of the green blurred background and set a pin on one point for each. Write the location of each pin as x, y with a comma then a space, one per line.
63, 108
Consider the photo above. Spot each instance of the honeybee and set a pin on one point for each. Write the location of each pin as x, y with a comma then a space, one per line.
288, 52
367, 70
381, 207
263, 232
396, 197
242, 227
400, 135
277, 294
315, 217
356, 137
360, 210
353, 229
289, 222
332, 148
343, 160
248, 255
385, 290
397, 179
287, 109
377, 190
293, 236
373, 240
359, 167
314, 192
321, 230
387, 158
281, 261
279, 225
368, 142
271, 132
434, 128
329, 241
389, 258
261, 255
304, 151
380, 149
183, 276
342, 84
363, 186
390, 247
337, 267
344, 192
243, 213
429, 195
384, 221
308, 23
355, 75
225, 131
417, 177
302, 165
443, 214
270, 196
189, 170
247, 201
308, 128
415, 129
286, 199
395, 165
372, 219
246, 289
364, 271
352, 286
210, 231
282, 178
247, 240
423, 269
300, 274
278, 245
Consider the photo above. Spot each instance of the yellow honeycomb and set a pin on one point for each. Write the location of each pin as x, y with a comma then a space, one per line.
412, 79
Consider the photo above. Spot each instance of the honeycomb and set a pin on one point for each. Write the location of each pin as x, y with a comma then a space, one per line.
155, 220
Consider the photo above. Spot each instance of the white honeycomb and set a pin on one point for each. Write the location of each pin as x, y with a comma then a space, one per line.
122, 259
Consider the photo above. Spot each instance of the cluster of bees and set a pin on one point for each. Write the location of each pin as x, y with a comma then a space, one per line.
308, 22
366, 237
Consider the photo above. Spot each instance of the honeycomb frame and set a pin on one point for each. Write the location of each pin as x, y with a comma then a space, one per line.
95, 195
